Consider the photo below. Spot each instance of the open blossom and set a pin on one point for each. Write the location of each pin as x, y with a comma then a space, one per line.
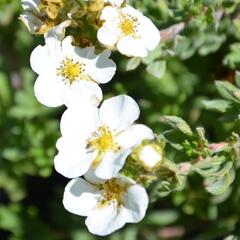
69, 75
99, 139
108, 205
128, 30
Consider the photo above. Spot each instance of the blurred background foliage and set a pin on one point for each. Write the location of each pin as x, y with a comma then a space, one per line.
178, 78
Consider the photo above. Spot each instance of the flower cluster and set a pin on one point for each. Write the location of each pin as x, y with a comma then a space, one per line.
96, 141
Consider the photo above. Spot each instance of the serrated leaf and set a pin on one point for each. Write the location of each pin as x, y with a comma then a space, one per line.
157, 69
217, 105
178, 123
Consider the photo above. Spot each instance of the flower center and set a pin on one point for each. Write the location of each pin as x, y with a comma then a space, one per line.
112, 192
70, 70
102, 140
128, 25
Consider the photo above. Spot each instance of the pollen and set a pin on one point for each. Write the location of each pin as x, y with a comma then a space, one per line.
128, 25
70, 70
103, 140
112, 192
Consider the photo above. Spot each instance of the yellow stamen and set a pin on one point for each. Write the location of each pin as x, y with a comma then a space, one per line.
128, 25
70, 70
112, 191
102, 141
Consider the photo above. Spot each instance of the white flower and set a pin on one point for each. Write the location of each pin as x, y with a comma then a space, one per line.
150, 156
69, 75
108, 205
129, 30
100, 139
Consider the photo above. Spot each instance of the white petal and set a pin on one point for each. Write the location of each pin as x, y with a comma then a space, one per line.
134, 135
111, 164
150, 35
104, 220
53, 46
108, 34
109, 13
66, 46
80, 122
49, 90
80, 197
92, 178
32, 22
130, 46
83, 93
119, 112
87, 52
58, 31
135, 201
30, 5
131, 11
39, 59
102, 68
72, 160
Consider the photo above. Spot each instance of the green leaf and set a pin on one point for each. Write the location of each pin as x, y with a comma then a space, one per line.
162, 217
133, 63
217, 105
178, 124
227, 90
237, 78
5, 90
153, 55
217, 186
157, 69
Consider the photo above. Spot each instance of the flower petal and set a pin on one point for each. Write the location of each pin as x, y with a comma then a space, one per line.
49, 90
58, 31
111, 164
135, 201
92, 178
150, 35
80, 197
108, 34
83, 93
39, 59
119, 112
102, 68
109, 13
30, 5
81, 122
104, 220
72, 160
32, 23
134, 135
130, 46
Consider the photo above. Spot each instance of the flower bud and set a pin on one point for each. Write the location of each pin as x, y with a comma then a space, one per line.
151, 155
